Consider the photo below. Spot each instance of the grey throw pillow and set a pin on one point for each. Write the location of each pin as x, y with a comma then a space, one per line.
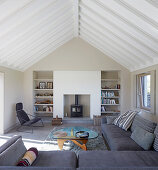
110, 119
143, 138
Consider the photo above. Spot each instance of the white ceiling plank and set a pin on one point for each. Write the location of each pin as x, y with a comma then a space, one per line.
108, 13
104, 50
76, 17
130, 17
22, 15
144, 8
12, 8
112, 19
117, 38
48, 51
35, 23
29, 40
119, 33
105, 40
113, 48
36, 45
44, 45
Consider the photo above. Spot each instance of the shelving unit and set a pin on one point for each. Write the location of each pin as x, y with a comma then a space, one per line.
43, 93
110, 92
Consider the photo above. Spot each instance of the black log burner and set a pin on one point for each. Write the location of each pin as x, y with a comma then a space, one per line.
76, 109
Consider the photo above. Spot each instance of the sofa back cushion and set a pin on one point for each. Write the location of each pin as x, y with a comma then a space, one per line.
143, 123
155, 145
12, 151
143, 138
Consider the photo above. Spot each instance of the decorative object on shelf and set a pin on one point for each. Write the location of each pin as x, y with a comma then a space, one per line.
44, 102
103, 109
118, 86
42, 85
49, 85
57, 121
82, 134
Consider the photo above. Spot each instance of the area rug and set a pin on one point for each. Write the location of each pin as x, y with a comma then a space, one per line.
92, 144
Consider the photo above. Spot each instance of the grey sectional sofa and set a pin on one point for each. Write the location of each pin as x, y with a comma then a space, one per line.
125, 153
122, 156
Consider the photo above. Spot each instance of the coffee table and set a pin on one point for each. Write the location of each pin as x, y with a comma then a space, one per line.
68, 133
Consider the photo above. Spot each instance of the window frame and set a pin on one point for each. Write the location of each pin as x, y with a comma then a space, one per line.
140, 91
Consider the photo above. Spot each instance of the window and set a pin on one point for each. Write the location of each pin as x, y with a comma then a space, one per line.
144, 84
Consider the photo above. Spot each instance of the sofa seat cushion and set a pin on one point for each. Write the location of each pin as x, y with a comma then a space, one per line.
124, 144
115, 131
119, 139
56, 159
118, 159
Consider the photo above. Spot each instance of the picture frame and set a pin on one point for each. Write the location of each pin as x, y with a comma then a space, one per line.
42, 85
49, 85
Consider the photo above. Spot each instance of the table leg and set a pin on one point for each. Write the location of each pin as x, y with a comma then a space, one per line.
82, 146
61, 143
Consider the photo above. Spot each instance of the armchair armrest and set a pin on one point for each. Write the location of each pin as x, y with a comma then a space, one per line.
31, 115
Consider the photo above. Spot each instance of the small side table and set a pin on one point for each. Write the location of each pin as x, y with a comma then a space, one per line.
57, 121
97, 120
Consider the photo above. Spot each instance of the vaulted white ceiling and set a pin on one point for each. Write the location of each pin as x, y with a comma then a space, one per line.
125, 30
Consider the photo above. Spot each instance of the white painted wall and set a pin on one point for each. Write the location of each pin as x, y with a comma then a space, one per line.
1, 103
13, 93
77, 82
77, 55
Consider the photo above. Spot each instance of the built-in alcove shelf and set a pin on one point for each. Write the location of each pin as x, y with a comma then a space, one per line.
110, 89
43, 89
43, 80
110, 92
110, 79
43, 93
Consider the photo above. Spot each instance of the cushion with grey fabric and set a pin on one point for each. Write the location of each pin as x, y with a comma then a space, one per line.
119, 139
56, 159
143, 138
143, 123
8, 150
155, 144
110, 119
125, 120
117, 159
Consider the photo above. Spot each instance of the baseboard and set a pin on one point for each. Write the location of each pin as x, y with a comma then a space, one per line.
10, 128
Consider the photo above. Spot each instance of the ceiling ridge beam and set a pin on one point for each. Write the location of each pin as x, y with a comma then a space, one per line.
76, 17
